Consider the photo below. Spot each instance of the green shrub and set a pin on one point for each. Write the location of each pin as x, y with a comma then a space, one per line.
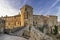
55, 30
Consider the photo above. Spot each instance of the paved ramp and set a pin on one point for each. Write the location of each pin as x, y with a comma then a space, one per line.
9, 37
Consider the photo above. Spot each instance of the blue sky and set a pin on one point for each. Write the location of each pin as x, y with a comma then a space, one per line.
44, 7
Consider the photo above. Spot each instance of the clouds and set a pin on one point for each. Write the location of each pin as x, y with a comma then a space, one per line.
45, 6
58, 14
53, 5
54, 9
6, 9
16, 4
11, 7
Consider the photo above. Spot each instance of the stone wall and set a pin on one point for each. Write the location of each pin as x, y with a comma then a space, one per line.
12, 21
26, 18
26, 15
2, 25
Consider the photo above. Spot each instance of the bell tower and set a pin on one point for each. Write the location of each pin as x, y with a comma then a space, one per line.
26, 15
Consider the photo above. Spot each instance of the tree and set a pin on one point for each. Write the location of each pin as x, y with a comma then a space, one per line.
55, 30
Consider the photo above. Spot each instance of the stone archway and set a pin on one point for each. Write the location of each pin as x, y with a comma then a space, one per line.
45, 26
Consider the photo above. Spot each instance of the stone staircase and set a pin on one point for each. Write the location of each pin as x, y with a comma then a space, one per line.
32, 34
37, 35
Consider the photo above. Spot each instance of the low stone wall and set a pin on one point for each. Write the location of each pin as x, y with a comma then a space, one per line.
13, 30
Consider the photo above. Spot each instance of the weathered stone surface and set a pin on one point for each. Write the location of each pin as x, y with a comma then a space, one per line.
33, 34
37, 35
8, 37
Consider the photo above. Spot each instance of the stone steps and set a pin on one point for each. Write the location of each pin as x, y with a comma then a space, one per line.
39, 35
33, 34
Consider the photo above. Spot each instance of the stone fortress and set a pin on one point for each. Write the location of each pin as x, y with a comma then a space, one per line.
26, 25
27, 18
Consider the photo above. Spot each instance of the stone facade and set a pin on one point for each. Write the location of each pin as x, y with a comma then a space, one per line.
26, 15
12, 21
59, 27
26, 18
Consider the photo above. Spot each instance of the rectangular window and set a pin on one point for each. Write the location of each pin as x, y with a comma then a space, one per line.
27, 14
20, 23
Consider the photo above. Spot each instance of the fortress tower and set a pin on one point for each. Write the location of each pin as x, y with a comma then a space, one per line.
26, 15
